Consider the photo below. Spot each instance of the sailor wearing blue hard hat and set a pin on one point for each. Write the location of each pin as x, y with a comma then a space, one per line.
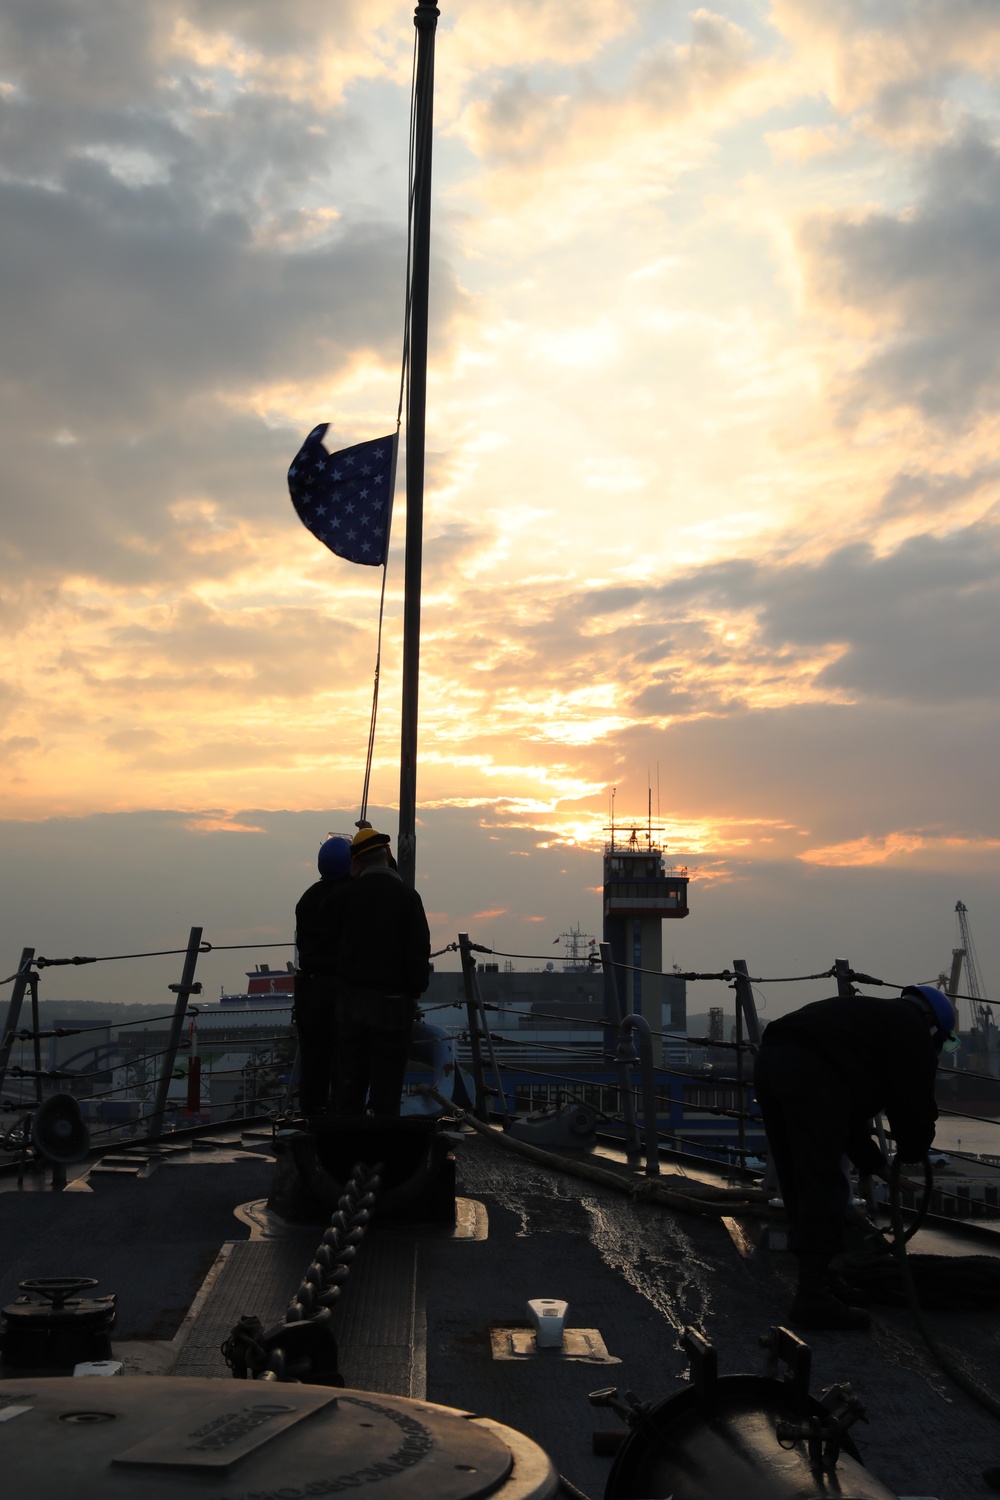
316, 937
938, 1011
822, 1074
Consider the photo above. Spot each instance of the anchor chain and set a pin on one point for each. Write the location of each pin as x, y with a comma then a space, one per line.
302, 1347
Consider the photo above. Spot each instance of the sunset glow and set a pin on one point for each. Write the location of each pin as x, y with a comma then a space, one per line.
711, 511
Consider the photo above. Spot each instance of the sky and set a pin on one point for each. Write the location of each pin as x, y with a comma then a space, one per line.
712, 492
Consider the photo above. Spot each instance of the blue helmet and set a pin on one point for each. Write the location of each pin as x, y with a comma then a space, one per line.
943, 1012
334, 859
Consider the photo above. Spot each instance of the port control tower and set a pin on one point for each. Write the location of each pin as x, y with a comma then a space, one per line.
640, 892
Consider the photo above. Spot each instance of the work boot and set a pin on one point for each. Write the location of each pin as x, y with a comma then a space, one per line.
817, 1306
844, 1291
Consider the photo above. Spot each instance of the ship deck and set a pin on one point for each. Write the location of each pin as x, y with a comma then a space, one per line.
426, 1313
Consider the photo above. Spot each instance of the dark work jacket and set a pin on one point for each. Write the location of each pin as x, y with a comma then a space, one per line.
385, 943
317, 926
883, 1051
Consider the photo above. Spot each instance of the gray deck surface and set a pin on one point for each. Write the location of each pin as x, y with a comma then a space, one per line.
635, 1273
638, 1274
151, 1239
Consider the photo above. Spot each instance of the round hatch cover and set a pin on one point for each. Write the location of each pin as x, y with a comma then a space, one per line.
145, 1437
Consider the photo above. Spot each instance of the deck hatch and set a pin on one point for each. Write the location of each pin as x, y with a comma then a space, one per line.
216, 1442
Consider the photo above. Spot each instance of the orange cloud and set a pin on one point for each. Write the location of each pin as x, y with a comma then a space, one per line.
220, 824
878, 850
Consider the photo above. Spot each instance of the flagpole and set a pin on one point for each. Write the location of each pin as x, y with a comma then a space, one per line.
425, 20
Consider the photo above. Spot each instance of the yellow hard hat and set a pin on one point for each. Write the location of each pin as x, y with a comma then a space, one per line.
368, 839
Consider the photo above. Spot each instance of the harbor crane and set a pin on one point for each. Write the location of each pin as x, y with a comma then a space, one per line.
982, 1021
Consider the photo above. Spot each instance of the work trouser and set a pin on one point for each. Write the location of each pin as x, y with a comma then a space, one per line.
315, 1023
373, 1045
806, 1110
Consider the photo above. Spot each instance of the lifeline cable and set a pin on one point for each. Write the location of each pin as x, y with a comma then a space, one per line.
108, 958
24, 1033
721, 974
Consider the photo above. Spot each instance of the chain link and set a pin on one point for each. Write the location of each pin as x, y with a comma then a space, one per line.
302, 1346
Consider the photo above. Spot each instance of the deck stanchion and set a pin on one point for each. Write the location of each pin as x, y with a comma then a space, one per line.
475, 1004
745, 1002
286, 1103
741, 1102
613, 1010
36, 1039
501, 1091
472, 1011
842, 973
186, 987
748, 1031
21, 982
626, 1050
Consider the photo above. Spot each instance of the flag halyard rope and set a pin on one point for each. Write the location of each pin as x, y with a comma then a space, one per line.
403, 396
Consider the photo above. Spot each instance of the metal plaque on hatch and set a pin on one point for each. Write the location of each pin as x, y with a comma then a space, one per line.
218, 1441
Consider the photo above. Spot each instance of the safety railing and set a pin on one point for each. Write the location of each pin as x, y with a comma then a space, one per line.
142, 1072
667, 1103
675, 1115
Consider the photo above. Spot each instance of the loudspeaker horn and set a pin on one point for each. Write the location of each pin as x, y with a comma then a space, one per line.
58, 1130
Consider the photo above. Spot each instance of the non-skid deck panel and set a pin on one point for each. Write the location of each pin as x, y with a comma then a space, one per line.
257, 1276
377, 1323
374, 1321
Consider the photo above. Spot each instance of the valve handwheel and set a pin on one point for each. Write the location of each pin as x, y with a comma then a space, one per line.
58, 1288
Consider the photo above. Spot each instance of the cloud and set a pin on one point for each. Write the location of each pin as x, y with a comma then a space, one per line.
221, 823
580, 144
17, 745
195, 265
864, 851
802, 143
891, 63
523, 122
916, 625
695, 499
117, 297
160, 872
919, 286
94, 57
933, 495
263, 651
518, 32
954, 852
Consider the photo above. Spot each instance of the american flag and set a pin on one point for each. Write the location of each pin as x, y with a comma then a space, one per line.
345, 498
